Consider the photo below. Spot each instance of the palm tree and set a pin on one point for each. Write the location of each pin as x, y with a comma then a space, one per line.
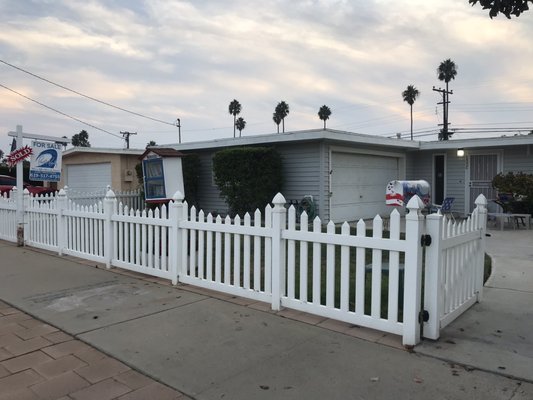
234, 109
277, 119
240, 124
446, 71
410, 95
323, 113
282, 110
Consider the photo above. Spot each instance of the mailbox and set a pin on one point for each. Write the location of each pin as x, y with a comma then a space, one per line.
398, 193
162, 173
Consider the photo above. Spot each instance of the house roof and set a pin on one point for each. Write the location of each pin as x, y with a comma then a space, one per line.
343, 137
101, 150
163, 152
478, 142
298, 136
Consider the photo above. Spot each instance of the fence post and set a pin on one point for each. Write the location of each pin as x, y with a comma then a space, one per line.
175, 214
110, 208
433, 286
481, 209
279, 217
413, 272
23, 232
61, 200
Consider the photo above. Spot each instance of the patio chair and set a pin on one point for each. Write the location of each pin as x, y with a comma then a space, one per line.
446, 207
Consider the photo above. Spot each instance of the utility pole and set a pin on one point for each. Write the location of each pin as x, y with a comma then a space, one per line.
445, 101
178, 124
127, 137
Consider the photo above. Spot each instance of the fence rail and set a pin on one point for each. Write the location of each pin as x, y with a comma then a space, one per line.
362, 275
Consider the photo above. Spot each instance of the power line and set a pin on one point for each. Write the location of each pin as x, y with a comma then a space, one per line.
84, 95
59, 112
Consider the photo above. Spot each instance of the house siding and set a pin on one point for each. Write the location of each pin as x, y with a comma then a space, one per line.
518, 159
300, 168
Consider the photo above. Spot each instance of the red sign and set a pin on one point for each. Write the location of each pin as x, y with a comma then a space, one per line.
18, 155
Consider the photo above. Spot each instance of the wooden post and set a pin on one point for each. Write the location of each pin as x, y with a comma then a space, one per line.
110, 208
413, 272
175, 216
278, 252
61, 221
481, 207
433, 286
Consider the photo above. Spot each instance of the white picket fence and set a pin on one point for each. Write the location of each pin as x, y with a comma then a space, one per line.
341, 273
130, 198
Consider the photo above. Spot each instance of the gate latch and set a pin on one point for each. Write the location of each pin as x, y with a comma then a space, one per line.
425, 240
423, 316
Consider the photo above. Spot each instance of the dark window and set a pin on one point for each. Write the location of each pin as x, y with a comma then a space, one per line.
154, 179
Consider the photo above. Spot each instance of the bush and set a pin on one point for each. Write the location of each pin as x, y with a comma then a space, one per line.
519, 186
248, 177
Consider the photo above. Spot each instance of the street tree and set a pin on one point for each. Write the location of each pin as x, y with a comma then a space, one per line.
506, 7
234, 109
151, 143
282, 110
446, 71
323, 113
409, 96
81, 139
277, 119
240, 124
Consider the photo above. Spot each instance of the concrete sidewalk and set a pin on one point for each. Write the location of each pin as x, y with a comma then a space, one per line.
496, 334
211, 348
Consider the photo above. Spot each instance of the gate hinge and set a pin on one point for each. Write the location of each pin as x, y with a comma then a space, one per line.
423, 316
425, 240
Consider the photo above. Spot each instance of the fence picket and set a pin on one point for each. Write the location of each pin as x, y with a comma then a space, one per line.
377, 256
246, 253
345, 271
394, 268
304, 264
317, 263
291, 254
360, 267
330, 268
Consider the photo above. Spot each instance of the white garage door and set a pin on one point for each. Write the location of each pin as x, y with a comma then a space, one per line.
358, 183
89, 177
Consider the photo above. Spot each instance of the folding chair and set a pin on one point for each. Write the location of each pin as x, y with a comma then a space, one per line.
446, 207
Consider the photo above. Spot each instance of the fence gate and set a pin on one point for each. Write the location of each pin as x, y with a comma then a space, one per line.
454, 266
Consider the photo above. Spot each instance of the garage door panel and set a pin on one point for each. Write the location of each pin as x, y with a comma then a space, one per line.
88, 177
358, 184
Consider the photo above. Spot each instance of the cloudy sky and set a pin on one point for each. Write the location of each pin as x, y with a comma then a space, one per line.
170, 59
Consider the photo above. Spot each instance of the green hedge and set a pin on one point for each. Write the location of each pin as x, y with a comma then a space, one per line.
248, 177
520, 186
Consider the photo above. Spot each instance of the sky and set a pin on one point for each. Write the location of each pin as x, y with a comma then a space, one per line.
167, 59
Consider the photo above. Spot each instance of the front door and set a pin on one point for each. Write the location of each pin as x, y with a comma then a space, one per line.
438, 178
481, 171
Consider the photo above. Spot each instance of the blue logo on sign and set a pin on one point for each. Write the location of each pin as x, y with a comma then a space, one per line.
47, 159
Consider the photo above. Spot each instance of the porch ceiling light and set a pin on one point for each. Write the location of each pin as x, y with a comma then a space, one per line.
460, 152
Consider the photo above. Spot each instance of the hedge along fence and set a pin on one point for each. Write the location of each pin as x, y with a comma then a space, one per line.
248, 177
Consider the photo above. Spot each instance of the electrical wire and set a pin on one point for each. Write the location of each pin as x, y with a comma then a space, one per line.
86, 96
60, 112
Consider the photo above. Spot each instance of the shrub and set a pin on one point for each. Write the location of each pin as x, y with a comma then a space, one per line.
520, 187
248, 177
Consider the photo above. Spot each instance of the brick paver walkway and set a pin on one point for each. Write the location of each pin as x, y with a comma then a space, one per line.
38, 361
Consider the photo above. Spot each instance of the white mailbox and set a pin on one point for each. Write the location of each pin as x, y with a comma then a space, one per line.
162, 173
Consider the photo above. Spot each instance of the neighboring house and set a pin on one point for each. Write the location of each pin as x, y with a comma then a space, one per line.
90, 169
347, 173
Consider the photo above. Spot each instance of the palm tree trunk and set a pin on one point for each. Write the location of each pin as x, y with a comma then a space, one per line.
324, 124
411, 122
283, 122
234, 122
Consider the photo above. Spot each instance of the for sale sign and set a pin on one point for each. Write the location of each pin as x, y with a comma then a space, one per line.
18, 155
45, 163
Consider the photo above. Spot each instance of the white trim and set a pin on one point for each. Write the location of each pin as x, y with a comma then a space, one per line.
76, 150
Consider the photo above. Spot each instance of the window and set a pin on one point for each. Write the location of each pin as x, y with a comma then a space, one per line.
154, 179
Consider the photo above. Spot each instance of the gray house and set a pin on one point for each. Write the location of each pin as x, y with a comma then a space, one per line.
347, 173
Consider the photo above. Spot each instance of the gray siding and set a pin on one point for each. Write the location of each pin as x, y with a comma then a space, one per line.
518, 159
301, 168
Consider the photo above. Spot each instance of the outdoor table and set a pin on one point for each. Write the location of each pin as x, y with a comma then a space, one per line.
511, 217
